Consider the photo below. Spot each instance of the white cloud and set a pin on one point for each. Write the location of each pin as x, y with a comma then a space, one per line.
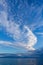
39, 33
3, 4
13, 44
36, 25
32, 39
12, 29
37, 15
5, 42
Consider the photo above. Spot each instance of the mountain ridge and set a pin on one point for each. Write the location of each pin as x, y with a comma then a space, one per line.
30, 54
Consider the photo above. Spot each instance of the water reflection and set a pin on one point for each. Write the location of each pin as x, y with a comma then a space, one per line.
22, 61
27, 62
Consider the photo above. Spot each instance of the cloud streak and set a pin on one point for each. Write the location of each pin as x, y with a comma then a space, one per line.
21, 38
39, 33
37, 17
13, 30
32, 39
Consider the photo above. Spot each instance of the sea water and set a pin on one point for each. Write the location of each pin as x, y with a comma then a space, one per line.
20, 61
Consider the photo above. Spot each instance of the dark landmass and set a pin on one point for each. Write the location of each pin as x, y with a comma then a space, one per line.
30, 54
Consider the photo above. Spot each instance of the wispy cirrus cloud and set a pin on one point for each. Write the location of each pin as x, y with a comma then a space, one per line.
32, 39
12, 29
38, 18
5, 42
39, 33
21, 38
10, 26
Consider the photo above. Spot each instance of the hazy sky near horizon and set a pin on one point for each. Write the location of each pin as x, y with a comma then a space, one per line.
21, 25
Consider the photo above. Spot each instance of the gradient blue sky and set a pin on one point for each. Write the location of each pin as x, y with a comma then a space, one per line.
21, 25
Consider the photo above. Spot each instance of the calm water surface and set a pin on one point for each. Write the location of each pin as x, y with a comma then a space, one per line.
23, 61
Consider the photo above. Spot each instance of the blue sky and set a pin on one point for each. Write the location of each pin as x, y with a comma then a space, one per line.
21, 25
